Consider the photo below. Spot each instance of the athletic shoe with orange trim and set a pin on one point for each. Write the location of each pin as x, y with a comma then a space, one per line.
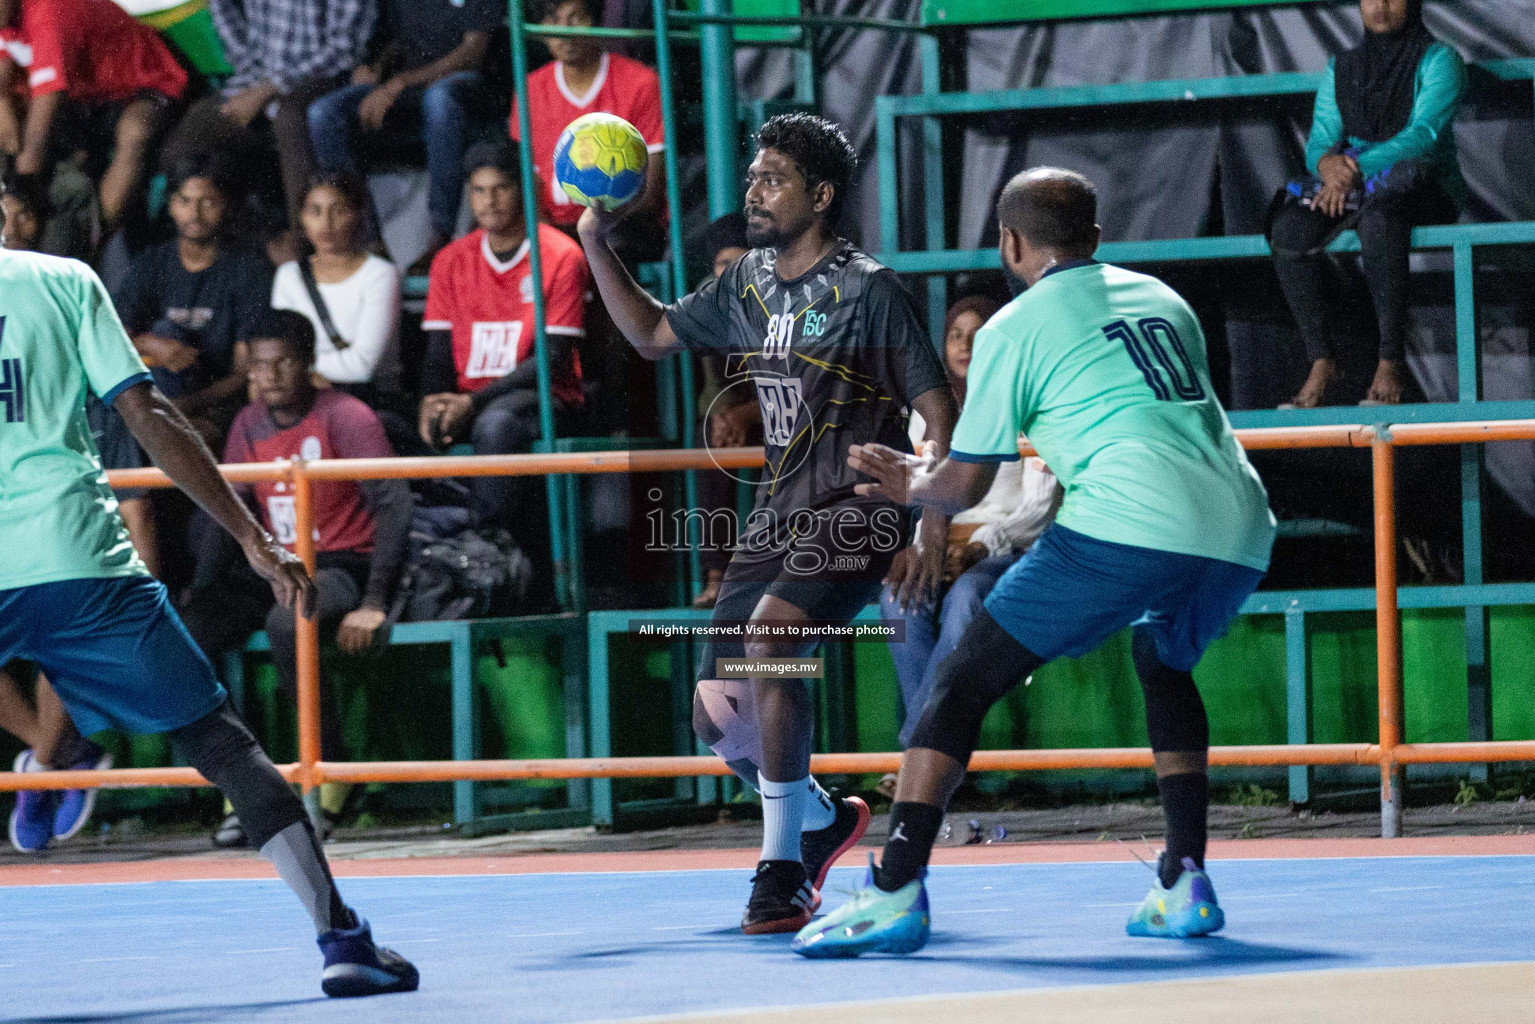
781, 899
820, 849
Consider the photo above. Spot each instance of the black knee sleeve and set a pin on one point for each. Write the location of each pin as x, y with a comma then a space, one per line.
987, 664
1175, 713
221, 747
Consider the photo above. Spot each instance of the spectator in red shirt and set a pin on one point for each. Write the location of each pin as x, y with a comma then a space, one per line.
96, 77
362, 529
583, 79
481, 377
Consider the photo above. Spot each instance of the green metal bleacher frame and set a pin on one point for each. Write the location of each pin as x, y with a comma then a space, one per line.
464, 638
1475, 596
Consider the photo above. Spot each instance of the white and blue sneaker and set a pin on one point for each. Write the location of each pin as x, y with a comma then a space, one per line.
1187, 910
354, 966
872, 921
31, 827
75, 805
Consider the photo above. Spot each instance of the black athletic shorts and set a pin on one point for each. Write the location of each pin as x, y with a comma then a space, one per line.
832, 569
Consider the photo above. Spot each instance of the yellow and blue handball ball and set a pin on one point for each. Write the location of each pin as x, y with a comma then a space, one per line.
600, 161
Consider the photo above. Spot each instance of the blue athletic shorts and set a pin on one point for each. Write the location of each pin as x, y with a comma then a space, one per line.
114, 650
1071, 592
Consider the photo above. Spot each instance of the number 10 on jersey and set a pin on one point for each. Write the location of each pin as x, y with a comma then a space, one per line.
1159, 354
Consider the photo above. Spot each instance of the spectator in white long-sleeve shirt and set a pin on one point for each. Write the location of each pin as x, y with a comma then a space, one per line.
984, 541
358, 351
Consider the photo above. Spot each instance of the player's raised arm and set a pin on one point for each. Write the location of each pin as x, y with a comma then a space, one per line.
638, 315
178, 450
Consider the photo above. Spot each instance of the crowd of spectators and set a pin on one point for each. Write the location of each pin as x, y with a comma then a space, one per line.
257, 291
244, 252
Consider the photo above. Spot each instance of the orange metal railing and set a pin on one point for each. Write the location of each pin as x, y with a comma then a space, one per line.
1389, 753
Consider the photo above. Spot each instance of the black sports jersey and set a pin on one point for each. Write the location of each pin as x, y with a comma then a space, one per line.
835, 357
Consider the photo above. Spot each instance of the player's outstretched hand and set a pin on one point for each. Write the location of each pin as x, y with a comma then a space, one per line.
891, 469
291, 582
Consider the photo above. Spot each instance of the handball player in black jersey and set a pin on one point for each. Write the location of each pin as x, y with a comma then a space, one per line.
830, 343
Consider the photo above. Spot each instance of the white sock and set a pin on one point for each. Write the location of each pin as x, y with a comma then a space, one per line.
783, 808
820, 808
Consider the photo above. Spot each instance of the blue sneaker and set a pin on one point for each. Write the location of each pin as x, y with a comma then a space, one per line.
873, 921
1186, 910
75, 805
354, 966
32, 818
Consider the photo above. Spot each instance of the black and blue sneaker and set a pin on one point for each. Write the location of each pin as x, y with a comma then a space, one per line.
31, 826
75, 805
354, 966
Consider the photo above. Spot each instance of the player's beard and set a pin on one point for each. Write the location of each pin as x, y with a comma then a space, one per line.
770, 237
1016, 285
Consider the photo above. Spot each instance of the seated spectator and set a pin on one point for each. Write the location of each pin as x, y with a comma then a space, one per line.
64, 214
732, 416
1383, 150
53, 744
191, 303
286, 54
428, 81
984, 542
97, 80
25, 212
481, 376
351, 297
361, 529
584, 79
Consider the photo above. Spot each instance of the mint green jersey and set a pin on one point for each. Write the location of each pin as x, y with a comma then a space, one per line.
59, 336
1105, 371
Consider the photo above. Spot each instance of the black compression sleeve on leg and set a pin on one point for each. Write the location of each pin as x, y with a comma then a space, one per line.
986, 665
1176, 722
221, 747
1175, 713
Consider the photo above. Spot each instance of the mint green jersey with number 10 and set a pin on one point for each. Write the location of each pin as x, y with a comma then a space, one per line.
59, 336
1106, 373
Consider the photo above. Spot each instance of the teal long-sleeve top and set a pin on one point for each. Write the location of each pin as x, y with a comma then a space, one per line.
1438, 87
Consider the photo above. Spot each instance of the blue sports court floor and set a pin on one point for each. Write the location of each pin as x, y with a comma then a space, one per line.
621, 946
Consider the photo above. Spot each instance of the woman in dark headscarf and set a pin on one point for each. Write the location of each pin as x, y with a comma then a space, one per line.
1383, 155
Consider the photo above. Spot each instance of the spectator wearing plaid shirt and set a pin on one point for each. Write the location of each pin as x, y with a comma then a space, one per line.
285, 55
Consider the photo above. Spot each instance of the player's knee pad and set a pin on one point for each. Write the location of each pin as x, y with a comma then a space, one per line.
1175, 713
986, 665
725, 718
221, 747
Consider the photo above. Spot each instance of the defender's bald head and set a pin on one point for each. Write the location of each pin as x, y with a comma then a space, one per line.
1052, 208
